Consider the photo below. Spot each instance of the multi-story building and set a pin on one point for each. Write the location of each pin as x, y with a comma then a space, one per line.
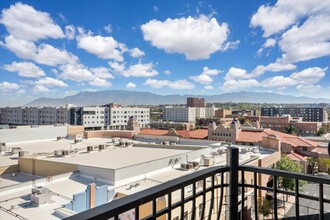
180, 114
31, 116
196, 102
34, 115
108, 117
222, 113
279, 123
308, 114
12, 115
188, 114
118, 116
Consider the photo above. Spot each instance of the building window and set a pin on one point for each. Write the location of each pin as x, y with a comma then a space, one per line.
304, 148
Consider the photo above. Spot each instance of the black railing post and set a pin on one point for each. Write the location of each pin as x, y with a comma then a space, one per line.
232, 162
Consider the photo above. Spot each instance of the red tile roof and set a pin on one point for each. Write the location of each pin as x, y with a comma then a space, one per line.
297, 156
322, 150
256, 136
153, 132
195, 134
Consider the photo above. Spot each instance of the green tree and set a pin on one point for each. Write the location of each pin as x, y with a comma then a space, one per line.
241, 119
287, 164
265, 206
322, 131
323, 165
291, 129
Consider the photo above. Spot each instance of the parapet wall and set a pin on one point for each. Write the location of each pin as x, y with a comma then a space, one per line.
32, 133
108, 134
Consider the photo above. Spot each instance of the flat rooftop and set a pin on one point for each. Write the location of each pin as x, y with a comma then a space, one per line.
47, 147
119, 157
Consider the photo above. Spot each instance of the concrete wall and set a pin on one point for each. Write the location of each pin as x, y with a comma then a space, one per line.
28, 133
44, 167
9, 169
143, 168
98, 172
108, 134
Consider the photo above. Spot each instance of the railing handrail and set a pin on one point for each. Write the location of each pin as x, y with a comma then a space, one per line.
131, 201
286, 174
134, 201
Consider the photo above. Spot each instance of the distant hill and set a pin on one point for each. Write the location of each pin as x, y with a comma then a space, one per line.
147, 98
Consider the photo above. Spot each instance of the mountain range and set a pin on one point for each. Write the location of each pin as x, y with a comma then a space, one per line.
147, 98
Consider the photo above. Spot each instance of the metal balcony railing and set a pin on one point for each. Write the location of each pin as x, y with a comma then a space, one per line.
218, 192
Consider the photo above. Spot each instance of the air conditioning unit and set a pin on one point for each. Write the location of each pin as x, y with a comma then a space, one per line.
207, 161
194, 163
65, 152
40, 195
186, 166
89, 148
77, 141
15, 150
58, 153
23, 153
59, 138
244, 150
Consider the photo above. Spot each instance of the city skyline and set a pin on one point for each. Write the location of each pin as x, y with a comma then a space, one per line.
199, 47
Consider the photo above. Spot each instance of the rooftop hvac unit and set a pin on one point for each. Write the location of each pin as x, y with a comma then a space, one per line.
23, 153
59, 138
3, 148
194, 163
166, 143
244, 150
15, 150
101, 147
77, 141
214, 154
207, 161
58, 153
65, 152
186, 166
221, 151
89, 148
40, 195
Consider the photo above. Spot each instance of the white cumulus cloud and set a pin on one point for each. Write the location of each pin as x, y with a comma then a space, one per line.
131, 85
310, 75
303, 26
40, 89
24, 22
42, 54
76, 72
206, 76
51, 82
117, 67
140, 70
273, 67
102, 72
100, 82
196, 38
9, 87
240, 84
136, 52
25, 69
237, 73
178, 84
70, 32
270, 42
102, 47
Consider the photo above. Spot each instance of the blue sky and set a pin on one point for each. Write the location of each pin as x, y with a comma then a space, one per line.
60, 48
